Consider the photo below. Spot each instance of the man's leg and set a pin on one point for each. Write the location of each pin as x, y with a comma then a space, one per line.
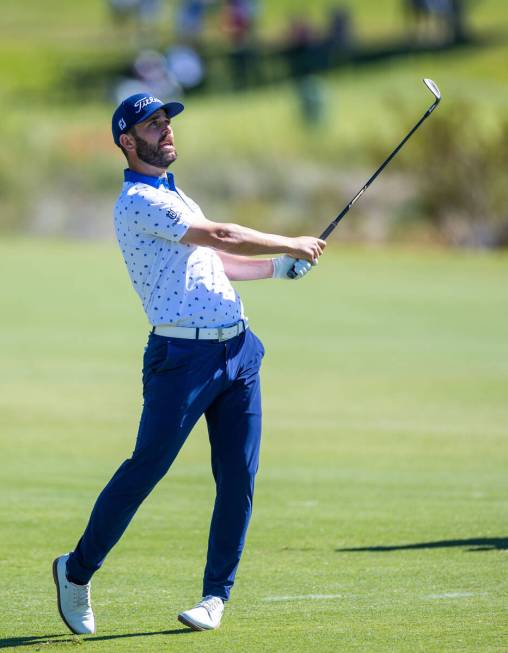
176, 393
127, 489
234, 425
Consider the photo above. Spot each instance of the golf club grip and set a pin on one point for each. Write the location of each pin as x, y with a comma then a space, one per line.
291, 273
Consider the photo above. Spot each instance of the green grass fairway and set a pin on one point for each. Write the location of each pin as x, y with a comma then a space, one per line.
386, 413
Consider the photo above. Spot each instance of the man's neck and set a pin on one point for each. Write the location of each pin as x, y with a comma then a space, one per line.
146, 169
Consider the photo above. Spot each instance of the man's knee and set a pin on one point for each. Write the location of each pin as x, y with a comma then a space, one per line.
144, 470
238, 478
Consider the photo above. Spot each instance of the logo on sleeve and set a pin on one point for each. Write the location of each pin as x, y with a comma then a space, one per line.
173, 215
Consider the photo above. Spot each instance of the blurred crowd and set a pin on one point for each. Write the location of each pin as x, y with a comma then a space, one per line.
237, 58
182, 66
442, 18
240, 54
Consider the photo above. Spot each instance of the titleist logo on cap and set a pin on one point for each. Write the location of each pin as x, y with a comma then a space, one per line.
144, 101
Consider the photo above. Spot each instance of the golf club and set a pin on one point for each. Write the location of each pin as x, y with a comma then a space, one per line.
432, 86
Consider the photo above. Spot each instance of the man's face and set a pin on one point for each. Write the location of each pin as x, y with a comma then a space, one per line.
154, 140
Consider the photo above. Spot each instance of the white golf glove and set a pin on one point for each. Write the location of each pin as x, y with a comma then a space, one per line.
282, 265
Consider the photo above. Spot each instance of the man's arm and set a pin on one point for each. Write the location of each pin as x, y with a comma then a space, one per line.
235, 239
243, 268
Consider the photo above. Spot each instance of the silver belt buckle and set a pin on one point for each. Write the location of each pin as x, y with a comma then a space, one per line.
224, 333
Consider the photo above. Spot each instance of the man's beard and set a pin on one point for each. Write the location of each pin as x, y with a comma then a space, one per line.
152, 154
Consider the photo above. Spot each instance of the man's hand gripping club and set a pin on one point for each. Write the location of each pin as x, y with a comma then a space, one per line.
300, 261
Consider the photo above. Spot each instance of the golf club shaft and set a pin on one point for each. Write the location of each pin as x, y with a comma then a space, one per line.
335, 222
345, 210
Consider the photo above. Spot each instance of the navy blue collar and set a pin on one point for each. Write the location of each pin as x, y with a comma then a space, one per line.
166, 180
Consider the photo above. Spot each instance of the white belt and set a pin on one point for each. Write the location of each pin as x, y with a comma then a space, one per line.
191, 333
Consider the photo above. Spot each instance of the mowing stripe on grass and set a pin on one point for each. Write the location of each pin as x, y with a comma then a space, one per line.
454, 595
303, 597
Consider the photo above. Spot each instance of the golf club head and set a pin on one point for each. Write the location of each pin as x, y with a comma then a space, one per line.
432, 86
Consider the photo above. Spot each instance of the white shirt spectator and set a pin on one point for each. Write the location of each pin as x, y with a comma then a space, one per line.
179, 284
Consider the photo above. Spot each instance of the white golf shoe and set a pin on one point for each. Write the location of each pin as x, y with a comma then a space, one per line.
73, 600
206, 615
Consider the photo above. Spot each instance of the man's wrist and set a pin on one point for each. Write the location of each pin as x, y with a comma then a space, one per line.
287, 245
281, 265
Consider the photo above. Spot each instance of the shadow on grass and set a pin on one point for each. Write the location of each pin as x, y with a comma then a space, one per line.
474, 544
44, 640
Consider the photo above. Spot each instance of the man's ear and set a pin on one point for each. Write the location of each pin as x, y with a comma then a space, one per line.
127, 142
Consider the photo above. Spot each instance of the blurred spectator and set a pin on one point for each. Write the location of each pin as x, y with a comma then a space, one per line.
151, 74
123, 10
149, 11
239, 23
311, 100
150, 67
457, 24
304, 47
301, 32
185, 64
143, 12
444, 18
416, 12
190, 18
339, 37
239, 18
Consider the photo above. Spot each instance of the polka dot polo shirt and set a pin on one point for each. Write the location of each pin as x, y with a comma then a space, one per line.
179, 284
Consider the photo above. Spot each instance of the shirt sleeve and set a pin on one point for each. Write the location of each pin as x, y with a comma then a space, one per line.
155, 214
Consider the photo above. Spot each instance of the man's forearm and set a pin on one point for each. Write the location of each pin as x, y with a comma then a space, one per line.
237, 239
243, 268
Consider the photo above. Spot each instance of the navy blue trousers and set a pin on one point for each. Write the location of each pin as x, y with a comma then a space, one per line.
182, 380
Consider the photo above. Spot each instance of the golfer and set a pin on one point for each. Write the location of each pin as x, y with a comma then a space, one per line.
201, 358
